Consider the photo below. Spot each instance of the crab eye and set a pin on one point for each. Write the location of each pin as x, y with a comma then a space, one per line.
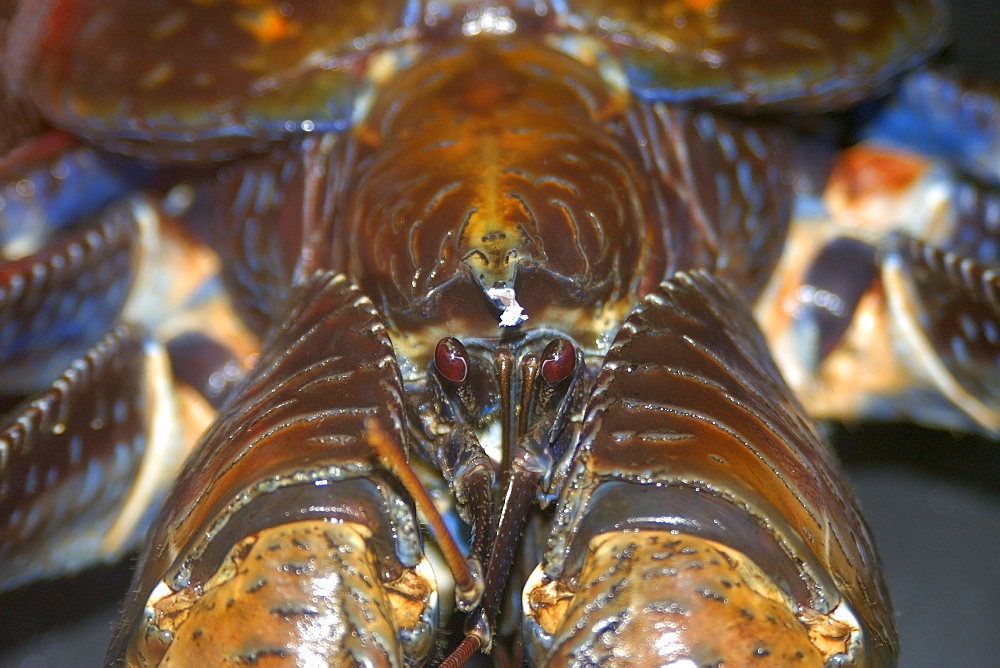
558, 361
451, 359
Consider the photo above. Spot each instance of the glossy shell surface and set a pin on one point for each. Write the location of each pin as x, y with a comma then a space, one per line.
163, 140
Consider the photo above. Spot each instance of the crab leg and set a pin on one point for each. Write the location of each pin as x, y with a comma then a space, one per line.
90, 442
300, 446
81, 462
912, 335
703, 510
948, 310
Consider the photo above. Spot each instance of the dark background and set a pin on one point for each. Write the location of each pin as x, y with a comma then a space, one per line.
932, 499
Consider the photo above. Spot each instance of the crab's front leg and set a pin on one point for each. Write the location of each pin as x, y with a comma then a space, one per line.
291, 532
885, 306
704, 520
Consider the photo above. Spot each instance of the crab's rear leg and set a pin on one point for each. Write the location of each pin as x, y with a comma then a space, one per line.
82, 461
954, 120
884, 306
90, 441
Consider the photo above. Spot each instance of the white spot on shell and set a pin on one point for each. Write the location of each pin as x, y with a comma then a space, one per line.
512, 314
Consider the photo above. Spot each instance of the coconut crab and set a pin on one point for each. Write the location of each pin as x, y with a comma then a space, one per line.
450, 349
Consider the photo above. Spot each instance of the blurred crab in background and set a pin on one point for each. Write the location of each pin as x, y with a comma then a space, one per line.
347, 271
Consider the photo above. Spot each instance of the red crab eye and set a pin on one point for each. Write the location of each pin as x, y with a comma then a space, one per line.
558, 361
451, 360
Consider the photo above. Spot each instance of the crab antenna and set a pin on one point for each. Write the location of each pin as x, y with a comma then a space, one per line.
469, 646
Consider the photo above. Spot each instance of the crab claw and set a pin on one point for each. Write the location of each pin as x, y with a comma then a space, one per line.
666, 597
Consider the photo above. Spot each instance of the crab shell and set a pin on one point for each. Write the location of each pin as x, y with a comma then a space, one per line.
303, 68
